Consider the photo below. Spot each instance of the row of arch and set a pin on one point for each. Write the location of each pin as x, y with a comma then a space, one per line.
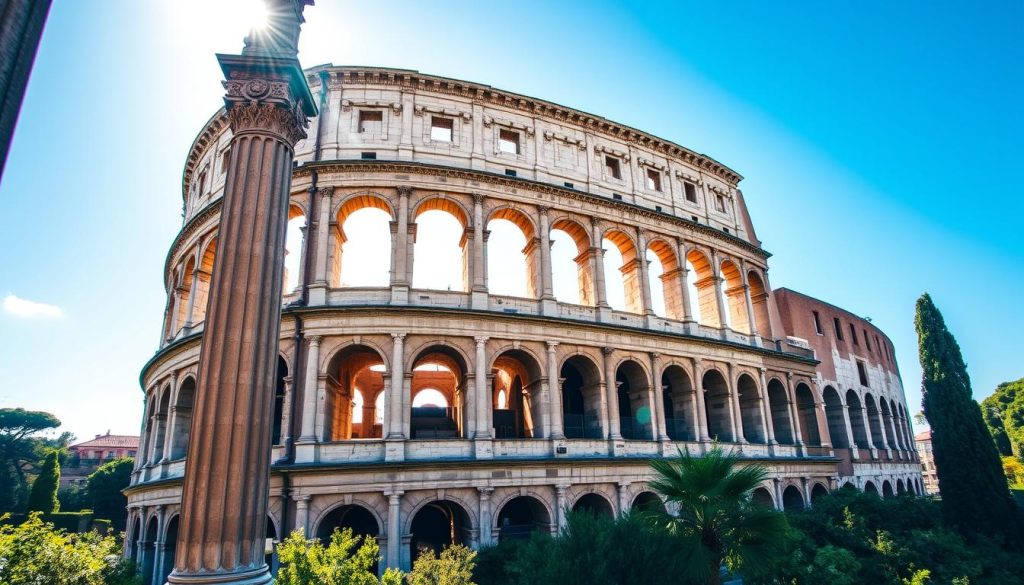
440, 393
367, 239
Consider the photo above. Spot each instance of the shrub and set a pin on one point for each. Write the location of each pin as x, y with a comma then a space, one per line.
43, 497
345, 560
453, 567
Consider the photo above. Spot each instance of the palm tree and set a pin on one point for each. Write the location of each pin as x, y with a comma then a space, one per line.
716, 517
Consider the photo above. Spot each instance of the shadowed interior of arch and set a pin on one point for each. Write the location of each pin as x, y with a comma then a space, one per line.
438, 395
355, 389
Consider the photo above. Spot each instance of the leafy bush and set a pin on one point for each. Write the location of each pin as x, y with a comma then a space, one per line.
345, 560
35, 552
43, 497
453, 567
104, 488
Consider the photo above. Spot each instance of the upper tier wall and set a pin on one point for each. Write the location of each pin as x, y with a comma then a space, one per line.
404, 115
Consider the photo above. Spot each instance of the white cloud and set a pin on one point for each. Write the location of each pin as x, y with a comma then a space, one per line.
27, 309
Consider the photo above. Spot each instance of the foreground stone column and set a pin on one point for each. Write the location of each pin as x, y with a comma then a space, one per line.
225, 491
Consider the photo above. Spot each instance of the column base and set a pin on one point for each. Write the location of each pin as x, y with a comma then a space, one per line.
399, 294
616, 446
549, 307
483, 448
317, 294
604, 314
478, 300
305, 452
394, 449
558, 447
260, 576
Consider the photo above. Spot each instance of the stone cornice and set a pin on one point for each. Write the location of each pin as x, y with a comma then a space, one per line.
409, 79
211, 130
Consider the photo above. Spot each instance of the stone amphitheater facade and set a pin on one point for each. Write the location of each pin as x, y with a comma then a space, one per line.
547, 405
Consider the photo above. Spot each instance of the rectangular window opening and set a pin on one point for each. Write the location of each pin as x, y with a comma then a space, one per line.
853, 334
720, 203
371, 121
691, 192
657, 208
839, 328
569, 185
510, 173
224, 159
867, 341
441, 129
616, 196
508, 141
817, 323
653, 180
612, 167
368, 155
862, 373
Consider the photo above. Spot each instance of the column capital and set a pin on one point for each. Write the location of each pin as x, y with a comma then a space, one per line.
325, 192
763, 371
404, 190
301, 499
479, 198
393, 495
481, 339
552, 345
485, 491
314, 340
398, 337
543, 209
607, 350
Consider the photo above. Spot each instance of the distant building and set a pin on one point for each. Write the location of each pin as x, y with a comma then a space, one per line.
86, 456
923, 440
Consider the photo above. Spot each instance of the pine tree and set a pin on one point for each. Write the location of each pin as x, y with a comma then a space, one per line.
975, 496
43, 497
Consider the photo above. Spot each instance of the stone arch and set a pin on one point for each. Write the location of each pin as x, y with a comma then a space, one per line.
901, 488
667, 279
702, 283
818, 490
834, 415
183, 404
792, 499
445, 265
582, 398
860, 436
629, 280
902, 438
331, 348
735, 296
436, 524
280, 383
888, 423
171, 526
185, 286
679, 402
162, 419
887, 491
206, 259
778, 407
874, 421
869, 487
443, 368
762, 496
295, 248
759, 301
353, 368
581, 256
368, 209
520, 515
593, 503
807, 414
501, 261
149, 549
717, 406
361, 518
133, 536
750, 409
518, 408
647, 501
632, 391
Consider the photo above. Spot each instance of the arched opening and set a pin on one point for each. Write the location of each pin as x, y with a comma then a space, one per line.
901, 489
759, 301
860, 436
184, 291
441, 237
763, 497
807, 414
679, 401
905, 426
520, 517
438, 394
132, 540
581, 399
354, 517
293, 249
703, 299
718, 411
887, 423
362, 243
750, 409
665, 280
513, 255
279, 398
438, 525
632, 390
170, 549
792, 499
149, 551
778, 405
887, 489
271, 541
356, 371
516, 394
897, 424
735, 297
571, 258
836, 419
160, 429
869, 488
874, 421
183, 418
818, 491
204, 274
622, 272
648, 502
594, 504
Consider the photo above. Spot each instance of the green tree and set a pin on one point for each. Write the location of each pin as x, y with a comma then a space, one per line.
975, 495
43, 497
1004, 416
35, 553
345, 560
105, 487
453, 567
20, 451
717, 519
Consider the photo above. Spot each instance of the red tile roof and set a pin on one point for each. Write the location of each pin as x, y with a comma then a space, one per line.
110, 441
923, 436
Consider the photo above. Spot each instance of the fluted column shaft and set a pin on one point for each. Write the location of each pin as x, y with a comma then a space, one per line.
309, 391
226, 484
394, 529
546, 287
482, 393
555, 392
479, 283
396, 398
597, 254
611, 394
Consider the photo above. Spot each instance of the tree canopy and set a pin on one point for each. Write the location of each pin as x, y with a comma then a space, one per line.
1004, 415
43, 497
104, 490
21, 451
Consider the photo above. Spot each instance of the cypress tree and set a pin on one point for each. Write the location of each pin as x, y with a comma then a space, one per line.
975, 495
43, 497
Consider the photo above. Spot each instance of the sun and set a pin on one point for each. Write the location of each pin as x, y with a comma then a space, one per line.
256, 14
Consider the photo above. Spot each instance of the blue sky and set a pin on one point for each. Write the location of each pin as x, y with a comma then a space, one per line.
879, 142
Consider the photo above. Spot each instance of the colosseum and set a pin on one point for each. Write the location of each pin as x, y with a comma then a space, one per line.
498, 309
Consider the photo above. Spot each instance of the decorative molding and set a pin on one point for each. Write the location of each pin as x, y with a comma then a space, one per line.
600, 149
421, 110
347, 105
490, 121
578, 143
